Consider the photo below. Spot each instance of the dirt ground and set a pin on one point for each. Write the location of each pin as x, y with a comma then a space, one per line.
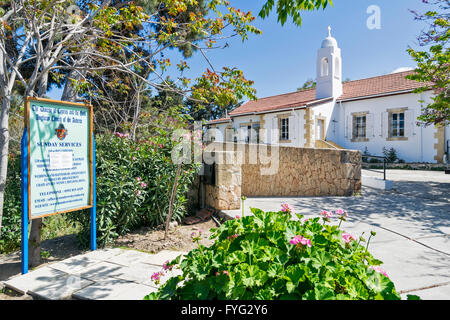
144, 239
179, 239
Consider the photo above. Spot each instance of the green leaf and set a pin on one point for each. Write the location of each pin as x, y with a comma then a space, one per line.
235, 257
295, 274
323, 293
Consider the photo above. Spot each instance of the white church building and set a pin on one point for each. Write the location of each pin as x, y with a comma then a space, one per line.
366, 114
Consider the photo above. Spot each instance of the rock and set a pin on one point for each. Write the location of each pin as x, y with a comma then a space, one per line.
173, 224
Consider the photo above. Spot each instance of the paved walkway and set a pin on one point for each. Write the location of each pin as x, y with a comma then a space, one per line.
110, 274
412, 223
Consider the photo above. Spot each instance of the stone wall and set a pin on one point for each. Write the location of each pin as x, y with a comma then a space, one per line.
297, 172
294, 172
226, 193
306, 172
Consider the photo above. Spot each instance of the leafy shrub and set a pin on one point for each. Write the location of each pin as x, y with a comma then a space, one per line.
134, 184
390, 155
270, 256
12, 209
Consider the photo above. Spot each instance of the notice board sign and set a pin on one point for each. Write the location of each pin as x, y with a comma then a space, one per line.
60, 157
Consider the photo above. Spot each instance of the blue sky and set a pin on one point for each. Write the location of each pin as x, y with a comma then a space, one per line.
283, 58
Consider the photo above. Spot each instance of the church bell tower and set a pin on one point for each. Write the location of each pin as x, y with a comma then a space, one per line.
329, 69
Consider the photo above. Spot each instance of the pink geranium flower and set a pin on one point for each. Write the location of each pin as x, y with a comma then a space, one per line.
380, 270
143, 184
157, 276
287, 208
232, 237
300, 240
167, 266
347, 237
340, 212
326, 214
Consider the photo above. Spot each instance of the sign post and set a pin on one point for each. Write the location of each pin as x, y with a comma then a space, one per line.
57, 163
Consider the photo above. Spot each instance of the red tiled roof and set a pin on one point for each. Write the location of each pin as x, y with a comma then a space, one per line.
219, 120
385, 84
294, 99
390, 83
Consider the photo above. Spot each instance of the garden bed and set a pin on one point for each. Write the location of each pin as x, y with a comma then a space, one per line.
152, 240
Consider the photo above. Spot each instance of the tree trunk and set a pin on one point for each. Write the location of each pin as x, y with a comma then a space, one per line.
4, 145
172, 200
34, 241
69, 93
136, 115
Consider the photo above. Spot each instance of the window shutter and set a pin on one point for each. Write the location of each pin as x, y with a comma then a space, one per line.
409, 123
349, 128
385, 124
274, 134
242, 133
292, 134
370, 125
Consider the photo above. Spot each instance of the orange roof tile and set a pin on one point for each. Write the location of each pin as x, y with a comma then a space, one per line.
385, 84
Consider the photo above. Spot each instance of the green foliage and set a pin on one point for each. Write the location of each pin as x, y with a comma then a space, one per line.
123, 201
253, 258
292, 8
134, 182
12, 209
433, 65
390, 155
309, 84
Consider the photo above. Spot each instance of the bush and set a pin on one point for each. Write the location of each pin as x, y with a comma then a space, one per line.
390, 155
12, 209
134, 184
269, 256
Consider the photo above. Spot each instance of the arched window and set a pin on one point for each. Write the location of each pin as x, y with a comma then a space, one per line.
324, 68
338, 68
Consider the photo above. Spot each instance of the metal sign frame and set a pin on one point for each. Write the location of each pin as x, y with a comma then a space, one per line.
26, 178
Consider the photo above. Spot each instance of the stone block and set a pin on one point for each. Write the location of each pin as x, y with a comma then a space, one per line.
75, 264
103, 254
161, 257
35, 279
128, 257
60, 288
105, 290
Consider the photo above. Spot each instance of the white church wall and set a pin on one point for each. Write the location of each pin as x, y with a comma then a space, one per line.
325, 111
419, 146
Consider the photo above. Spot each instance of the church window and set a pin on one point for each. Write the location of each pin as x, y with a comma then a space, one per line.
338, 68
359, 126
398, 124
324, 72
284, 129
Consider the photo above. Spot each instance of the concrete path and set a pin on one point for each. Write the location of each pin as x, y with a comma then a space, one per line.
110, 274
412, 223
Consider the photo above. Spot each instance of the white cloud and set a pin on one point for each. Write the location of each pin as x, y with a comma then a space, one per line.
402, 69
